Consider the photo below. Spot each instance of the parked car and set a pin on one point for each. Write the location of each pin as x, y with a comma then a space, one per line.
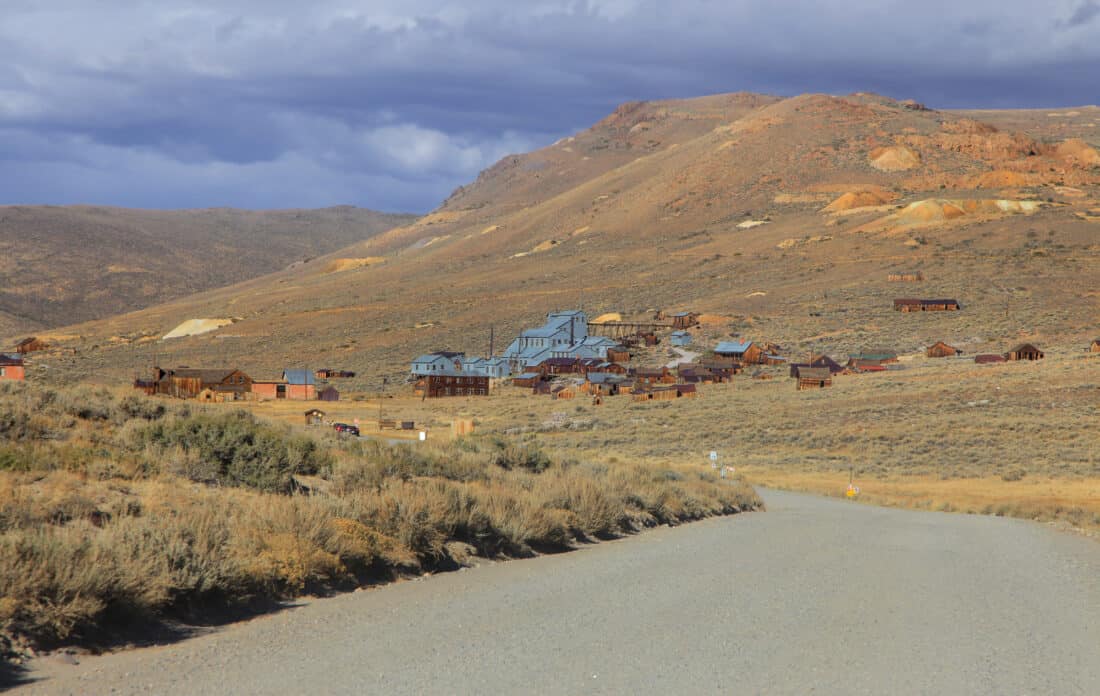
352, 430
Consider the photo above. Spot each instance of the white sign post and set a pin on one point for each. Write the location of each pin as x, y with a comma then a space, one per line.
714, 459
423, 436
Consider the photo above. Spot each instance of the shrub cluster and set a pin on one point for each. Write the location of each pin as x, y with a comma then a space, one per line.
119, 509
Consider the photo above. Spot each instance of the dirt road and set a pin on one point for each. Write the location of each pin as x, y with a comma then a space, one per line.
814, 595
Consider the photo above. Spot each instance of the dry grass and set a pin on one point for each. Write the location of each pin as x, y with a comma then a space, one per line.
117, 509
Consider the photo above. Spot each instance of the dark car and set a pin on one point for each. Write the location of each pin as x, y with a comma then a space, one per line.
346, 429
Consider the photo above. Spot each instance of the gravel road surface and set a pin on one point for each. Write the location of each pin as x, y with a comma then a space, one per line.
814, 595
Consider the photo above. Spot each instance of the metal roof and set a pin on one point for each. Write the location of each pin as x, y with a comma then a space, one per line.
300, 377
732, 347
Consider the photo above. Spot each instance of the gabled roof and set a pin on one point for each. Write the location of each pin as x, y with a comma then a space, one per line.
1026, 348
206, 376
431, 358
299, 377
528, 375
10, 360
815, 373
732, 346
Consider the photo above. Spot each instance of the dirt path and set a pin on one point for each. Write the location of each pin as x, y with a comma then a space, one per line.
815, 595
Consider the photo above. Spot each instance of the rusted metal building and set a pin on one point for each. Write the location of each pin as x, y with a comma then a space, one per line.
1024, 351
941, 350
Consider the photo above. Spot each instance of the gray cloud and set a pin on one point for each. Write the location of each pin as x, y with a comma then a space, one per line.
392, 104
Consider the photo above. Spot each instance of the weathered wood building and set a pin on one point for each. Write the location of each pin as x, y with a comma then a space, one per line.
905, 277
188, 382
988, 358
814, 378
1024, 351
941, 350
30, 345
907, 304
451, 383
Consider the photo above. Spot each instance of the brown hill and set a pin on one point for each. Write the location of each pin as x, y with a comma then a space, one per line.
63, 265
648, 209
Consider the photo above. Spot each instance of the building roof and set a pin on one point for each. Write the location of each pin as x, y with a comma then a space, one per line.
528, 375
10, 360
298, 377
206, 376
430, 358
814, 373
681, 334
1025, 348
732, 346
683, 314
874, 355
605, 378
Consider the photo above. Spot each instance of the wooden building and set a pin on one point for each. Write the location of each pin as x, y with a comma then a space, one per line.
1024, 351
30, 345
329, 373
878, 356
315, 416
656, 375
988, 358
667, 393
452, 383
906, 277
618, 355
814, 378
527, 379
329, 393
563, 391
1094, 347
685, 320
188, 383
941, 350
917, 305
818, 361
12, 368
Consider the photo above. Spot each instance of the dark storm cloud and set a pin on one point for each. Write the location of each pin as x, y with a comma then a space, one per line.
392, 104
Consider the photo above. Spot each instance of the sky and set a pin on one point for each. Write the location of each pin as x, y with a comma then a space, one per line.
392, 104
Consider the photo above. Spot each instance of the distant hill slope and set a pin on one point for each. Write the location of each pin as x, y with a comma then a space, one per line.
715, 204
64, 265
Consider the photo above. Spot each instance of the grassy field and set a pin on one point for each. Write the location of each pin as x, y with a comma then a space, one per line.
118, 512
943, 434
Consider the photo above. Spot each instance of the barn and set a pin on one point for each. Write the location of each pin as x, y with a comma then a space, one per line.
1024, 351
941, 350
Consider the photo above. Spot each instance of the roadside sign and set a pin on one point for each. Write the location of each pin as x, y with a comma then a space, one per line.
852, 491
423, 436
713, 456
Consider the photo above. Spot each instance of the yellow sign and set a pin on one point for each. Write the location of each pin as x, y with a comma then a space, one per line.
852, 491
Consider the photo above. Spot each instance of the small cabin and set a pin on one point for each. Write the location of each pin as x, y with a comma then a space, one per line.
814, 378
329, 393
1024, 351
1094, 347
563, 392
315, 416
941, 350
905, 277
907, 304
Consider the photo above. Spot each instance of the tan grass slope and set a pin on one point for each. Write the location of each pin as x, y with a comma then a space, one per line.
666, 214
